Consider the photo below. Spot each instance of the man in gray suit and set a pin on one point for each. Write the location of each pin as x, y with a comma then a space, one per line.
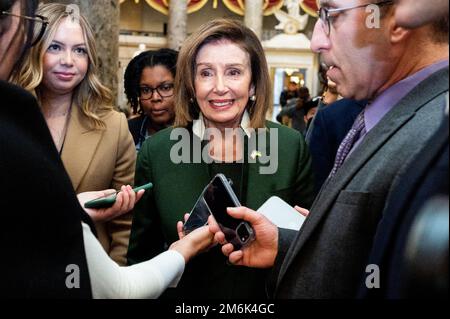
404, 76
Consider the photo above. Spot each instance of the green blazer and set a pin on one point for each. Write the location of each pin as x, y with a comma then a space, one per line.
176, 189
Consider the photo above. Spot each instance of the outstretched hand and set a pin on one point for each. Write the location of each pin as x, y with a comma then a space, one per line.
125, 201
197, 241
261, 252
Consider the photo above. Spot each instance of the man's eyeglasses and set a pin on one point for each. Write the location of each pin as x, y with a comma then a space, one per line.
40, 22
325, 15
164, 90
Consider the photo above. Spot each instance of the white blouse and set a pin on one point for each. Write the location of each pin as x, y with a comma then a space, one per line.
148, 279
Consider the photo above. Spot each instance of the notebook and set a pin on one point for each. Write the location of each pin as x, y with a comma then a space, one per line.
282, 214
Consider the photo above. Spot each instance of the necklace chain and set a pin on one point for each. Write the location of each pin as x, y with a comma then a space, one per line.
60, 135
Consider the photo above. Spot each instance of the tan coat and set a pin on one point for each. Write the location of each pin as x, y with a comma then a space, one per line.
102, 159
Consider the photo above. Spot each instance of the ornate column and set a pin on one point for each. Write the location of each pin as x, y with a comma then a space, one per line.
177, 29
254, 16
104, 17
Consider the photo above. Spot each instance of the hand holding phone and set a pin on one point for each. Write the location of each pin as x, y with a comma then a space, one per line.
105, 202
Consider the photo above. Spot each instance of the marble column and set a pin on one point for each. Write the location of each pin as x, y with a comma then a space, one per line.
104, 18
254, 16
177, 28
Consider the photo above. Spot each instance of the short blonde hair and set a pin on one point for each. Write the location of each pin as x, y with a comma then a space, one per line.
90, 95
186, 108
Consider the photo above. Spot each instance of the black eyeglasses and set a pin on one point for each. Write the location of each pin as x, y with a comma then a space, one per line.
164, 90
325, 15
39, 22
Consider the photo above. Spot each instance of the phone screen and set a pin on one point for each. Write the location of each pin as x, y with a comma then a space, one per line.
198, 216
218, 199
219, 196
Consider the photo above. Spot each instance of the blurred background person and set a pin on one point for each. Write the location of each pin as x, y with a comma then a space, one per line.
328, 96
293, 115
149, 86
329, 127
92, 138
310, 112
291, 92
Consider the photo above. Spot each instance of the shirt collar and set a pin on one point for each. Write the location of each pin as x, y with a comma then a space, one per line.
199, 128
376, 110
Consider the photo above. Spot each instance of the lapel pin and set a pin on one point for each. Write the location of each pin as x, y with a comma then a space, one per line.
255, 154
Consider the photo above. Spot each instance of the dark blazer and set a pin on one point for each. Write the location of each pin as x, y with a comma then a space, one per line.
176, 189
137, 129
329, 254
42, 232
331, 125
426, 177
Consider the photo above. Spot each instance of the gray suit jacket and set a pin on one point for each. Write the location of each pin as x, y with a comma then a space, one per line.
328, 257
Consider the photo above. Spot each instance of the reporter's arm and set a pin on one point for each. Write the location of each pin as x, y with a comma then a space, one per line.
144, 280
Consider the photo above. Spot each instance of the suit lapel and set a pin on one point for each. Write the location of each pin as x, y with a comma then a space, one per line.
374, 140
79, 147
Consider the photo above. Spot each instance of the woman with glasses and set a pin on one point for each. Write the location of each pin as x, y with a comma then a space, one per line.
92, 138
149, 87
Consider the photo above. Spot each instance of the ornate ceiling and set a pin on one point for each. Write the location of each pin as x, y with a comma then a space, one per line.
236, 6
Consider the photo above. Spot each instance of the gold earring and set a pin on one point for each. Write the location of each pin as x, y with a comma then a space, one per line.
253, 98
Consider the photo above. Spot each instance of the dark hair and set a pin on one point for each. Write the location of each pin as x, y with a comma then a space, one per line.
165, 57
440, 29
28, 8
303, 90
5, 5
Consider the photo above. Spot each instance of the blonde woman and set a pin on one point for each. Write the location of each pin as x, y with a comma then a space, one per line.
91, 137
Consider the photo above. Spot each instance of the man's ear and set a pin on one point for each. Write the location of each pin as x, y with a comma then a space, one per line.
397, 33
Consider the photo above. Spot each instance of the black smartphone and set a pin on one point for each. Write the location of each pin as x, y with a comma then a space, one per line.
198, 216
218, 196
108, 201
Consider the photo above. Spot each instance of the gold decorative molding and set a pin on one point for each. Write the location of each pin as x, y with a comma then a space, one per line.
236, 6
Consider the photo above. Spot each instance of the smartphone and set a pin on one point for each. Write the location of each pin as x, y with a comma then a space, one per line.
218, 196
105, 202
198, 216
